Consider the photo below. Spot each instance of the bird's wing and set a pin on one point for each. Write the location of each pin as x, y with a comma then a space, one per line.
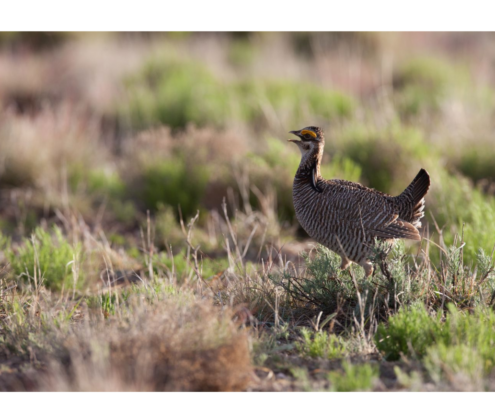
370, 210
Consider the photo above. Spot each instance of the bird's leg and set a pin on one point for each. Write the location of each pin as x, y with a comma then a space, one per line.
345, 262
368, 267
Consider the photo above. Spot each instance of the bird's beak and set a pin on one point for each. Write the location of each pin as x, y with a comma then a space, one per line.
297, 133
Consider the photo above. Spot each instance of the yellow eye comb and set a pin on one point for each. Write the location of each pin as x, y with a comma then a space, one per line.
306, 132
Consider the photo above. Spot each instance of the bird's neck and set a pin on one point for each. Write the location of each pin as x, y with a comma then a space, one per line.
310, 163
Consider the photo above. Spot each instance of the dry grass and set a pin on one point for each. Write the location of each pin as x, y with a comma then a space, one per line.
152, 340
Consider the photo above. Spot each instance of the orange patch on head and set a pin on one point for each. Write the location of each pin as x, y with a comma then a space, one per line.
306, 132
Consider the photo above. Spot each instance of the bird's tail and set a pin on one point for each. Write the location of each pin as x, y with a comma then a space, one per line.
411, 201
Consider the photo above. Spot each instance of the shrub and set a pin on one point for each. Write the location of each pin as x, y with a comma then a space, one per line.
324, 287
177, 93
465, 210
412, 332
422, 84
353, 378
477, 163
53, 257
174, 182
320, 344
445, 363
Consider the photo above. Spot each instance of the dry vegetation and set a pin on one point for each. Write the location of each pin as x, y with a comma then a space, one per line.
147, 235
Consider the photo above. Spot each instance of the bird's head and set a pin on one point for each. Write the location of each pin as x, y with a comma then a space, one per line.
311, 139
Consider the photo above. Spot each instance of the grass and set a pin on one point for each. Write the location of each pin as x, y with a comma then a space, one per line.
353, 378
320, 344
46, 260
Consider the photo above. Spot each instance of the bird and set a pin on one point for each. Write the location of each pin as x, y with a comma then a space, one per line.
347, 217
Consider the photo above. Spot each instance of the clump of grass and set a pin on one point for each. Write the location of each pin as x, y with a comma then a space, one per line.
184, 268
153, 339
353, 378
320, 344
410, 332
454, 363
48, 260
324, 287
413, 332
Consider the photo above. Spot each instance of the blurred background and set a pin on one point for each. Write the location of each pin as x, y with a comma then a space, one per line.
97, 129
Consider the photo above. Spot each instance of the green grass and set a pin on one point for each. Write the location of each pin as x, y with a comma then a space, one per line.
320, 344
353, 378
463, 342
47, 259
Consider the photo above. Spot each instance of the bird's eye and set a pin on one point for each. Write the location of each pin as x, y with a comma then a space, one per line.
308, 134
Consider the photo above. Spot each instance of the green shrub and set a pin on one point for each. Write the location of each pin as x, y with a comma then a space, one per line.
52, 256
412, 332
421, 85
265, 102
477, 163
463, 209
444, 362
174, 182
320, 344
98, 186
353, 378
176, 93
329, 289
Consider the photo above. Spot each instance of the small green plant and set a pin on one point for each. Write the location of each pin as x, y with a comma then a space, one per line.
48, 260
410, 332
443, 362
324, 283
320, 344
353, 378
182, 268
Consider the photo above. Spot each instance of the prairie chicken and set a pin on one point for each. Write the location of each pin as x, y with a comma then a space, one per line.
345, 216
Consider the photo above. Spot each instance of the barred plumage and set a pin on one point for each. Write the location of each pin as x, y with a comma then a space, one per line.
346, 217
